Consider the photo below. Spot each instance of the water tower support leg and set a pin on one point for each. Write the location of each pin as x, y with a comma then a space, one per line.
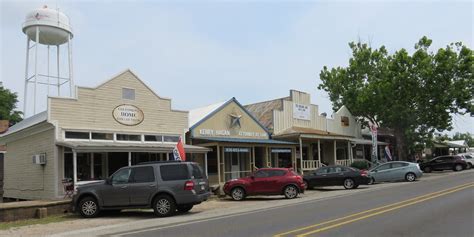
57, 51
26, 75
36, 69
71, 81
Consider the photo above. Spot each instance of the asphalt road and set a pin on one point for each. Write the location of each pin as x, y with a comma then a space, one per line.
441, 207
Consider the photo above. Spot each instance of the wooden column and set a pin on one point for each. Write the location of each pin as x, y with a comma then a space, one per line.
74, 167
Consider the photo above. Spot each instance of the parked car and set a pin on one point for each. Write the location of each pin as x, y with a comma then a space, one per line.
166, 187
266, 181
439, 163
348, 177
469, 158
395, 171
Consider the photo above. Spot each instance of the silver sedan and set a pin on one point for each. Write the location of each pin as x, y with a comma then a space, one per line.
395, 171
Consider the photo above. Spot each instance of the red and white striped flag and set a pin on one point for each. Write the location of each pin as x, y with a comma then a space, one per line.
178, 151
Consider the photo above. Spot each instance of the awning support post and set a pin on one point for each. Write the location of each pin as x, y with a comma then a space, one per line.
205, 164
129, 158
74, 168
301, 155
319, 151
92, 165
335, 153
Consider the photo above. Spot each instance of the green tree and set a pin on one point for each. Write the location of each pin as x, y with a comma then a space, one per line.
414, 94
8, 102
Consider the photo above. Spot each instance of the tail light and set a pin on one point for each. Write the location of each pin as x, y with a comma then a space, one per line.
364, 173
189, 185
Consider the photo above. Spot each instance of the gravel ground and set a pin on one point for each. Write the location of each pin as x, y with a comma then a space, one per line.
211, 207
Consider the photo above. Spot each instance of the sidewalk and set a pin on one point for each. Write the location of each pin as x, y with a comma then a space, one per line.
211, 209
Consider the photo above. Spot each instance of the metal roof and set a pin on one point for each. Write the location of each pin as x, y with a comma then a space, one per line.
26, 123
88, 146
244, 140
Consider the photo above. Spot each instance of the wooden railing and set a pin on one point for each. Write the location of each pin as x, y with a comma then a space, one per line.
311, 164
344, 162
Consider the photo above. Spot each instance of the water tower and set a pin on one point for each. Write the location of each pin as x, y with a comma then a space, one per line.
48, 57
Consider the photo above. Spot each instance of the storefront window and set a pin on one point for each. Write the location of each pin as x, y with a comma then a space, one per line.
281, 157
237, 162
170, 138
128, 137
153, 138
102, 136
77, 135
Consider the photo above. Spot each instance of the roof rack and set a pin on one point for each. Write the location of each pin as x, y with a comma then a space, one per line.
159, 162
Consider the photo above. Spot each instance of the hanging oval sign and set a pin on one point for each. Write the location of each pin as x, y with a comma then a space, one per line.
129, 115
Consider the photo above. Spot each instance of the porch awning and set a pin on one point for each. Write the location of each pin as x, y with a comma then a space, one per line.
366, 142
87, 146
310, 133
244, 140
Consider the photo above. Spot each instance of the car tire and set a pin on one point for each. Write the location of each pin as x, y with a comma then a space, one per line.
290, 192
349, 184
469, 166
163, 206
184, 208
237, 193
306, 185
88, 207
427, 170
372, 181
410, 177
457, 167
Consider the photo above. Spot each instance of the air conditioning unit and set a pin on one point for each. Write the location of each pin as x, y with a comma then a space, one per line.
39, 159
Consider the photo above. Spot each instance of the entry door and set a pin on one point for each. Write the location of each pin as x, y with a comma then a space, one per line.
117, 193
235, 165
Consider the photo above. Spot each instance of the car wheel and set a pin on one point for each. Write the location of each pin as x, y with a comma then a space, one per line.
164, 205
458, 167
184, 208
88, 207
237, 193
348, 183
410, 177
371, 181
469, 166
290, 192
427, 170
306, 185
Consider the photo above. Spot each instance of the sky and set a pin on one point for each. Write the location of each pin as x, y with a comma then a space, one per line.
202, 52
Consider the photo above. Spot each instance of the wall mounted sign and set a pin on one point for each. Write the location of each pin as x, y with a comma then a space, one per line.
281, 150
236, 149
301, 111
129, 115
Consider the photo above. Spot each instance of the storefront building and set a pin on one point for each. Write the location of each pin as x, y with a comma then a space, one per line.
239, 143
119, 123
321, 140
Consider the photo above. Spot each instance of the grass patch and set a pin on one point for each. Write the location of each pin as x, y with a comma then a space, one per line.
49, 219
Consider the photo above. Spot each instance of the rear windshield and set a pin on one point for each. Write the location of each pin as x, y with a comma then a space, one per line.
197, 171
174, 172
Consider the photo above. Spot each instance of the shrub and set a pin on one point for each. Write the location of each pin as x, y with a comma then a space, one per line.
362, 165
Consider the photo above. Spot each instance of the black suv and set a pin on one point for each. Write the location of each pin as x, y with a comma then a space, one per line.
166, 187
455, 163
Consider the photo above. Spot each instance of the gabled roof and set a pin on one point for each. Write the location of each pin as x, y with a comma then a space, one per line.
200, 115
26, 123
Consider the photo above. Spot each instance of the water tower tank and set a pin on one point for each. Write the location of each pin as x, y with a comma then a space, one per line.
53, 26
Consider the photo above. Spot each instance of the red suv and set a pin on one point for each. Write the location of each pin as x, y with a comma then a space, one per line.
266, 181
